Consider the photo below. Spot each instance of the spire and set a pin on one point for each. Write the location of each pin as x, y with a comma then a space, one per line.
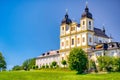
86, 9
103, 29
66, 19
110, 36
86, 12
66, 15
86, 4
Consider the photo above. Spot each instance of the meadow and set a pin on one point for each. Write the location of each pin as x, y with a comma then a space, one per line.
56, 75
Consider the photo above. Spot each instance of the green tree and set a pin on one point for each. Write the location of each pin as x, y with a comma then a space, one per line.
54, 64
28, 64
116, 62
2, 62
105, 63
64, 62
46, 66
17, 67
93, 66
78, 60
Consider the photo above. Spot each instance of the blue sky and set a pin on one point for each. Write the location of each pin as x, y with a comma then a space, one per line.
31, 27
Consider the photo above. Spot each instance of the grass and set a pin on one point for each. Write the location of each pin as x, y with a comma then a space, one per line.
55, 75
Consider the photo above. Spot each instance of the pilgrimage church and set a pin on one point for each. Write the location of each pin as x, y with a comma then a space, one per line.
94, 41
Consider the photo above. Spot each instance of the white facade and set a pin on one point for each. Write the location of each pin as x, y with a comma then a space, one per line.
48, 58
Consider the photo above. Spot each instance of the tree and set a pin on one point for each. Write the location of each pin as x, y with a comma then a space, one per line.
78, 60
28, 64
64, 62
2, 62
93, 66
54, 64
105, 63
17, 67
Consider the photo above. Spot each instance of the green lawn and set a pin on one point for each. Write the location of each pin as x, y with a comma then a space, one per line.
55, 75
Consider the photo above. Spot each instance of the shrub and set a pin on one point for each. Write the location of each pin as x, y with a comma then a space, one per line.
78, 60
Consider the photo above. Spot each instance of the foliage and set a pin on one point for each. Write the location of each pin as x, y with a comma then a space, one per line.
54, 64
78, 60
93, 66
116, 64
109, 63
105, 63
43, 66
2, 62
46, 66
35, 67
64, 62
17, 67
28, 64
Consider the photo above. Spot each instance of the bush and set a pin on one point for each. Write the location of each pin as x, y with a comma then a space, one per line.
93, 66
78, 60
64, 62
109, 63
54, 64
46, 66
43, 66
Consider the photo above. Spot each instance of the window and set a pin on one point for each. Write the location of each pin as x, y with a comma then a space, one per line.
67, 28
90, 23
62, 28
83, 22
90, 39
83, 39
78, 40
72, 41
67, 43
62, 58
62, 43
100, 41
72, 28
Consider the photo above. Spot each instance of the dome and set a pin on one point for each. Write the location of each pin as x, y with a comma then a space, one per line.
66, 20
86, 13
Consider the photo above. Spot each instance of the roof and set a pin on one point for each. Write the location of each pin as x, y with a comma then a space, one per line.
66, 19
99, 32
49, 53
86, 13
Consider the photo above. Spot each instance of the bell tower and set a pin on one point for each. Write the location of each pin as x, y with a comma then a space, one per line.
87, 27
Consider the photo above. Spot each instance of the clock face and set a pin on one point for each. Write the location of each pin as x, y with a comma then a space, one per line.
67, 28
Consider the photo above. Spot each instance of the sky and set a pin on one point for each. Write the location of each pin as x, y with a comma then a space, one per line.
30, 27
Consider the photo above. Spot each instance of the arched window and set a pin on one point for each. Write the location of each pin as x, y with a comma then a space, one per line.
90, 39
83, 22
67, 43
72, 41
78, 40
62, 43
83, 39
62, 28
90, 23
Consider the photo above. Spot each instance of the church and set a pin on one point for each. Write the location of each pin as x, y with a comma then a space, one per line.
94, 41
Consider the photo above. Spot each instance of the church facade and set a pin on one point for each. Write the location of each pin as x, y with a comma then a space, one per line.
93, 41
83, 34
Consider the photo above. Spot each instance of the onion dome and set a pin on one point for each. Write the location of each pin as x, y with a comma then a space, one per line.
86, 13
66, 19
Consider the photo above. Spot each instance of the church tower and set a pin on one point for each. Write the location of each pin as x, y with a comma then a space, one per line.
73, 34
87, 28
